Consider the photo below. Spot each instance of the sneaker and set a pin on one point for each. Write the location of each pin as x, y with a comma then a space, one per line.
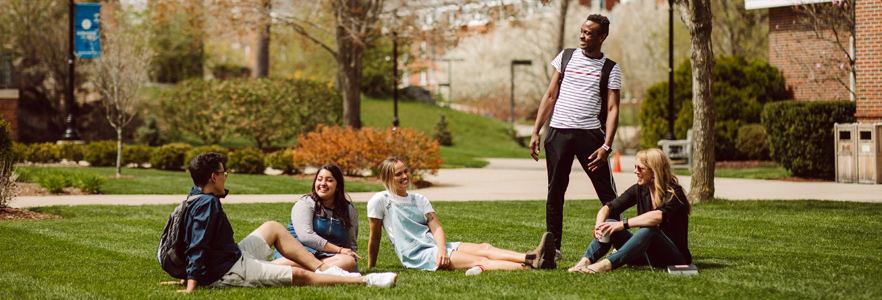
337, 271
380, 279
474, 270
557, 255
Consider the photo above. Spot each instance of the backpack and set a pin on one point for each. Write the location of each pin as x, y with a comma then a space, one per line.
604, 82
172, 248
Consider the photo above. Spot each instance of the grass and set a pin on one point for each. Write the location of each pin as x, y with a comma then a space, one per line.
744, 249
769, 171
158, 182
474, 137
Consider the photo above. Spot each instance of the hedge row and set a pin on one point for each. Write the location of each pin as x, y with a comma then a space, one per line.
801, 134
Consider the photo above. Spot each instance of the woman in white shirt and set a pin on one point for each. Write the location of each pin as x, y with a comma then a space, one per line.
418, 239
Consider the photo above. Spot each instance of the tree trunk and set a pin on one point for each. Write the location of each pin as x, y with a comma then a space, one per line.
119, 152
349, 55
698, 18
564, 7
261, 55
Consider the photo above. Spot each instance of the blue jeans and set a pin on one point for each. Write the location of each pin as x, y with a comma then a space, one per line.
647, 246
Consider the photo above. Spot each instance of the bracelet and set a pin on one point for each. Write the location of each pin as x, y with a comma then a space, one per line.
625, 222
340, 251
606, 147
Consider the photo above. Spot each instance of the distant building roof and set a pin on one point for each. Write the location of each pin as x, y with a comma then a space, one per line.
759, 4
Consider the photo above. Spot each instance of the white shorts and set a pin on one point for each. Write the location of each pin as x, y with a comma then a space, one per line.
253, 269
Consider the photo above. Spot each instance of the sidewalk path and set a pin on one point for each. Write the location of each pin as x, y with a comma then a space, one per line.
520, 179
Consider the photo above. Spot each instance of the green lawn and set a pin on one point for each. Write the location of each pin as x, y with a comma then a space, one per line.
474, 137
744, 249
158, 182
771, 171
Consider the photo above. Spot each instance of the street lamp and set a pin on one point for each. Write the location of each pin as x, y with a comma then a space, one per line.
70, 134
671, 135
513, 63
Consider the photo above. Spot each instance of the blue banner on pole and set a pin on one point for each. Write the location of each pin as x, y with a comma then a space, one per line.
87, 18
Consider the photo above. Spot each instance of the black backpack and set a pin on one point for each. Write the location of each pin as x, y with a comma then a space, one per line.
171, 253
604, 82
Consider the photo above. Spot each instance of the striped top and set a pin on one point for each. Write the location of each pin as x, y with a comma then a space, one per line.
578, 104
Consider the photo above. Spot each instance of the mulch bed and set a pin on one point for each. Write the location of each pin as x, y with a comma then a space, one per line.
9, 213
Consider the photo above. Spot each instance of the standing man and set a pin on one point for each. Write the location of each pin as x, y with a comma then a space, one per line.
584, 117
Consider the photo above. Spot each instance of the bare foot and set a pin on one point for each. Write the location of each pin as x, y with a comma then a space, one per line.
578, 267
599, 267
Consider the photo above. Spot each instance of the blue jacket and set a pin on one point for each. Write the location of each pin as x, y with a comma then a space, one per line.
211, 250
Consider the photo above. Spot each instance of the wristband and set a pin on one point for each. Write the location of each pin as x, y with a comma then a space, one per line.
606, 147
341, 251
625, 222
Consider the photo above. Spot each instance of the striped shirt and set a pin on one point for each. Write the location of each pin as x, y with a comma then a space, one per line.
578, 104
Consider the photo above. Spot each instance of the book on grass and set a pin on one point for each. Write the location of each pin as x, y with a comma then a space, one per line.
683, 269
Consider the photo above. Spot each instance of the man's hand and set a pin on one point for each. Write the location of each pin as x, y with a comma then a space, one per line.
534, 146
191, 285
443, 260
599, 155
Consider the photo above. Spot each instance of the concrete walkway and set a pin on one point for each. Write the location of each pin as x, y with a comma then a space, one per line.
519, 179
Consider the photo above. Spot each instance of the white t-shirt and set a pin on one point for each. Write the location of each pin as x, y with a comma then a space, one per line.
578, 104
376, 207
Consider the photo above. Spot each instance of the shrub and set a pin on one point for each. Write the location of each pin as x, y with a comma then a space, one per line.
8, 190
169, 157
283, 160
42, 153
138, 154
5, 139
149, 134
53, 182
356, 150
72, 152
101, 153
442, 135
20, 151
194, 106
205, 149
90, 183
753, 142
741, 88
801, 134
247, 160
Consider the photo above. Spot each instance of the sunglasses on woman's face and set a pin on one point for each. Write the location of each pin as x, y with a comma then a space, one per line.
641, 169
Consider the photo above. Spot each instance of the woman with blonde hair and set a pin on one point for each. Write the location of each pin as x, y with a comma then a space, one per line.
662, 219
418, 239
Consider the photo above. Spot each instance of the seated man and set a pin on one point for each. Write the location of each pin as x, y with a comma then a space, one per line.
215, 260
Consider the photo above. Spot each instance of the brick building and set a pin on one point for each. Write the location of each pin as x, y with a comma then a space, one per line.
817, 69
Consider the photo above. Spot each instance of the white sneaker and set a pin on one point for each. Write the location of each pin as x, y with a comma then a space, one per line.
337, 271
474, 271
381, 279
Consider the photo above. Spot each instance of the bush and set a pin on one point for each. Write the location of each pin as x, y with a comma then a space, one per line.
101, 153
5, 139
284, 160
194, 106
20, 151
801, 135
8, 190
53, 182
205, 149
753, 142
356, 150
90, 183
42, 153
170, 157
138, 154
741, 88
149, 134
442, 134
247, 160
72, 152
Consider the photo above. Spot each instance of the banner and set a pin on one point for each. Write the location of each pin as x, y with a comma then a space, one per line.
87, 21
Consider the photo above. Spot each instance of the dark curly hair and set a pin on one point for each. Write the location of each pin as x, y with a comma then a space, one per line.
602, 21
203, 165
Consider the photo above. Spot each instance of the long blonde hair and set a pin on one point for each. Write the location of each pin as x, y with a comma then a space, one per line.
663, 176
387, 171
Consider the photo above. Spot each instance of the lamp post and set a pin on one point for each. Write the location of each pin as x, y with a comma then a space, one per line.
671, 135
513, 63
395, 75
70, 134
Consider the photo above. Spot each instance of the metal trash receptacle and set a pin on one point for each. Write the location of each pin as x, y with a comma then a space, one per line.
846, 159
869, 154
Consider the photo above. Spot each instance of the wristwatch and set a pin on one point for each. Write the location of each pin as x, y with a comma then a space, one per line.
606, 147
625, 222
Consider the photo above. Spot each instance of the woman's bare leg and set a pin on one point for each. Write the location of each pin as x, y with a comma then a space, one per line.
303, 277
462, 260
493, 253
345, 262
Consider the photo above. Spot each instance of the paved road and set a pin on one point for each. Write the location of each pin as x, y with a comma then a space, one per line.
520, 179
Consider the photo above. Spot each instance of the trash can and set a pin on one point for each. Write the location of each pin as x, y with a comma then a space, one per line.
844, 136
869, 154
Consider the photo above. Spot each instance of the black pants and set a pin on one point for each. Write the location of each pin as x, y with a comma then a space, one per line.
561, 145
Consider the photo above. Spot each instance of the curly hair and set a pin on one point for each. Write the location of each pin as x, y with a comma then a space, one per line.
203, 165
602, 21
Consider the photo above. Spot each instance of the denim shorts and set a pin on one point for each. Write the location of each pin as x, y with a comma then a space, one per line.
253, 269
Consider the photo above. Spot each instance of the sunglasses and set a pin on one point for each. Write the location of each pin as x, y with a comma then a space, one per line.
226, 173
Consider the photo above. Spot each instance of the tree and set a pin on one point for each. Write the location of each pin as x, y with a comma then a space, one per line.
832, 23
699, 19
121, 71
739, 31
261, 55
179, 31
